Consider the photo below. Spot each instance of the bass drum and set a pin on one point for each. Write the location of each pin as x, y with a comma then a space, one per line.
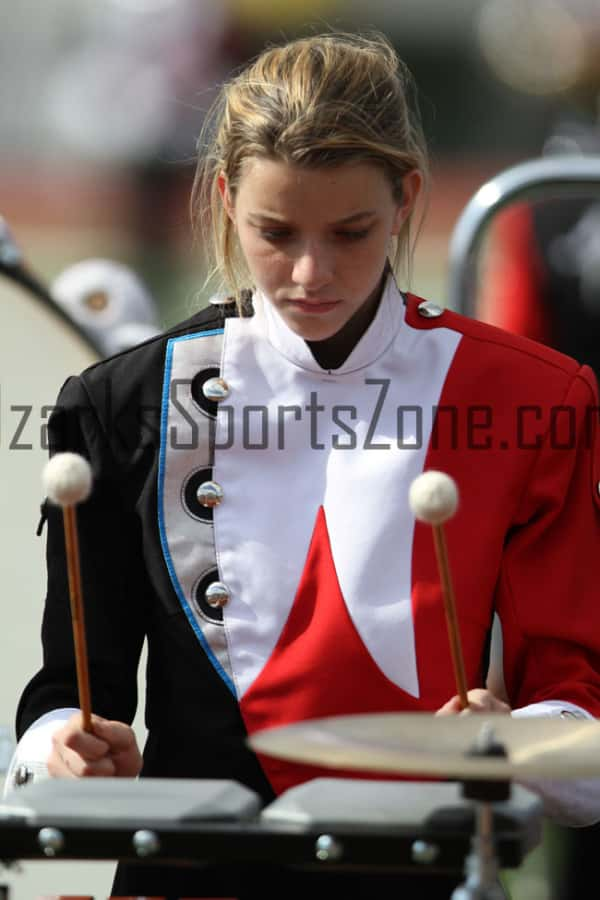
38, 351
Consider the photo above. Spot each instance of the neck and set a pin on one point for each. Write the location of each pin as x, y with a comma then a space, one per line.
335, 350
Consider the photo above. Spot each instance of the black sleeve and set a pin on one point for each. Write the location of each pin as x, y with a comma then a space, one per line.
113, 579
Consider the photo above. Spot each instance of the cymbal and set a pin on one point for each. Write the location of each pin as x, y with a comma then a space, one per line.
425, 744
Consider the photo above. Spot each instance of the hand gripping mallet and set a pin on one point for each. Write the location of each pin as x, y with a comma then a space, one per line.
433, 499
67, 480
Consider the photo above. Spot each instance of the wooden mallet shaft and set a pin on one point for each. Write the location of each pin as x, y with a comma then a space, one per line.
439, 540
67, 480
77, 616
433, 498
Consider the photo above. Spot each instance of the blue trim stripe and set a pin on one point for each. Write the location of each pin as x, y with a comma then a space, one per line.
164, 418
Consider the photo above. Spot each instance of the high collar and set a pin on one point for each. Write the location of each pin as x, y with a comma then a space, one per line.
373, 343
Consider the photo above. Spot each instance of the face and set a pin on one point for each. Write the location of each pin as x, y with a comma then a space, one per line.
316, 240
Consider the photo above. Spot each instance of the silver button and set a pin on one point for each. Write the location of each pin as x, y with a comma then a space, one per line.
429, 310
215, 389
217, 594
51, 840
146, 843
424, 852
598, 488
209, 494
22, 775
328, 848
221, 300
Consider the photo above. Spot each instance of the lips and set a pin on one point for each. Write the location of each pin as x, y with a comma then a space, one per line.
314, 306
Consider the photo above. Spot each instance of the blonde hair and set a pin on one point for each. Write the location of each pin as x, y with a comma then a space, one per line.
318, 102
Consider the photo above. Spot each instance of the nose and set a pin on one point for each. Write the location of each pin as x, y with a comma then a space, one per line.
313, 267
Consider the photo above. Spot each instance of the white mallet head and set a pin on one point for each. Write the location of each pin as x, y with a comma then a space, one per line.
67, 479
433, 497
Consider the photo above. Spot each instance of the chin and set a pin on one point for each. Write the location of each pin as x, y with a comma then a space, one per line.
316, 332
313, 328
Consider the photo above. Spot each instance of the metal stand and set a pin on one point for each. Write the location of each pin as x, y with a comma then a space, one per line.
481, 866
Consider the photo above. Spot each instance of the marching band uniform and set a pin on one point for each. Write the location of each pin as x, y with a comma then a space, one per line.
256, 529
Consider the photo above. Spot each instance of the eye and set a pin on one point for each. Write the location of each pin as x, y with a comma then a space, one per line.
353, 235
275, 234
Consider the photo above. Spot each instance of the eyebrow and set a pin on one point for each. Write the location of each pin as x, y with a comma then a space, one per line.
347, 220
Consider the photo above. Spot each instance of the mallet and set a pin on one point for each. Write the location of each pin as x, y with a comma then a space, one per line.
433, 499
67, 480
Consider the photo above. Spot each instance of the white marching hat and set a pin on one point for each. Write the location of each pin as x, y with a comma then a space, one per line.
109, 302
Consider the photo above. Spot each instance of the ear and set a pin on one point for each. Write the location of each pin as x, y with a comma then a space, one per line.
225, 193
412, 183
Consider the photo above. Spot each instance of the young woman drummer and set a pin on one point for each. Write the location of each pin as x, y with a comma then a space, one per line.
250, 509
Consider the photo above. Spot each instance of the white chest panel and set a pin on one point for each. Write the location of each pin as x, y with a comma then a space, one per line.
279, 462
187, 538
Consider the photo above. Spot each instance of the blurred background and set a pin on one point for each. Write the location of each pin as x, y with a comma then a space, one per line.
101, 102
